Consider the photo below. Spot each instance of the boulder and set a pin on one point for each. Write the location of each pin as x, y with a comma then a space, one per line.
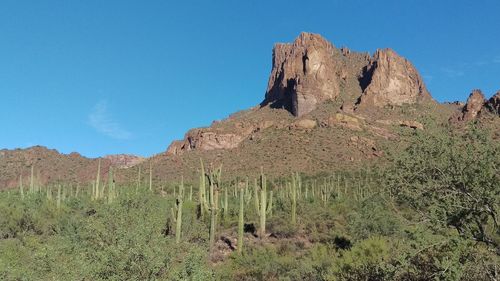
304, 124
345, 121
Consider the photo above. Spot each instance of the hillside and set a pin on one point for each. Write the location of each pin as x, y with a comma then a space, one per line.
325, 109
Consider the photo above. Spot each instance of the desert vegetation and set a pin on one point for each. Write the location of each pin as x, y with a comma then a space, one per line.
431, 213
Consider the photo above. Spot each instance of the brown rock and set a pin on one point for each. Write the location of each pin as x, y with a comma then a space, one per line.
177, 147
305, 124
390, 79
346, 121
124, 160
493, 104
473, 107
208, 140
304, 74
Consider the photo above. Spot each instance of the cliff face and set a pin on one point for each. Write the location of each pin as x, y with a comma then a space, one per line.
473, 107
304, 74
311, 70
391, 80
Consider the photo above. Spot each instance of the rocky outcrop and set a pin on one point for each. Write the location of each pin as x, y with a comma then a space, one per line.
304, 124
205, 139
345, 121
304, 74
211, 138
472, 107
493, 104
311, 70
124, 160
390, 79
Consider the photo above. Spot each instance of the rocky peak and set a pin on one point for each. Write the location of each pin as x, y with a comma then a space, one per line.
473, 106
304, 74
493, 104
390, 79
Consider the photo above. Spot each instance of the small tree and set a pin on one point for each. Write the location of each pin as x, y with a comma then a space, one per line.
454, 180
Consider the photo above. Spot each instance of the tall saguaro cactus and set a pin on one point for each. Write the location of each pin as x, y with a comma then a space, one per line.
295, 185
226, 203
202, 191
262, 207
214, 179
241, 221
58, 196
177, 214
21, 189
32, 179
111, 186
98, 179
150, 176
138, 179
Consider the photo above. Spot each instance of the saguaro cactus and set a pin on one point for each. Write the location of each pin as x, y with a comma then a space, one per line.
21, 189
111, 186
177, 214
226, 203
214, 183
32, 179
58, 196
295, 186
263, 208
202, 191
240, 221
98, 179
138, 179
150, 176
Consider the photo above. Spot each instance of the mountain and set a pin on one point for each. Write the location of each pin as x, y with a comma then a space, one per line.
49, 166
324, 109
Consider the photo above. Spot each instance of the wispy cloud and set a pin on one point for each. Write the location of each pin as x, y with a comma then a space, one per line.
101, 120
428, 77
452, 73
496, 60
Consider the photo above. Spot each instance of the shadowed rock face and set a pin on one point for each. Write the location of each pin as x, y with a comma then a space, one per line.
493, 104
304, 74
390, 79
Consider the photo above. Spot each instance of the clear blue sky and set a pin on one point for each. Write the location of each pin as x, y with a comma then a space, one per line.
101, 77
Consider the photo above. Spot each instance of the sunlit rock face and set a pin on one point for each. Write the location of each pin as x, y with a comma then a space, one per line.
304, 74
390, 79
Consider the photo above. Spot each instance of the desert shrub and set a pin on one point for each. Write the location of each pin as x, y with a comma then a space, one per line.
454, 180
366, 260
373, 218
